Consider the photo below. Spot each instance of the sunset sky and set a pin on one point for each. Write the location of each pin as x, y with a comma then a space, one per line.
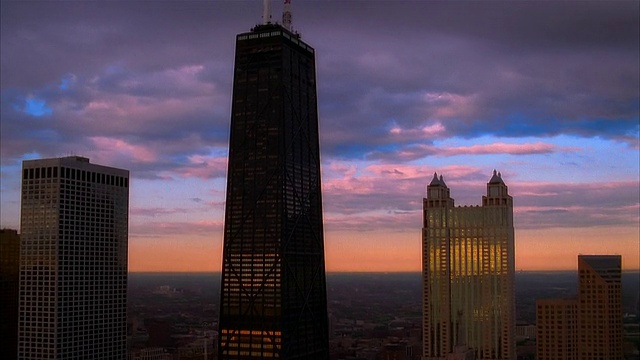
547, 93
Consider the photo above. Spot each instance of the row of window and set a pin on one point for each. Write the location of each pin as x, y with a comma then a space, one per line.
75, 174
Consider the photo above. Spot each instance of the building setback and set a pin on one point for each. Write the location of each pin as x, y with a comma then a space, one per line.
590, 326
73, 265
273, 298
468, 274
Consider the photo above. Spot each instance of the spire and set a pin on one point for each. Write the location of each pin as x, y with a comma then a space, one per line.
286, 15
442, 181
496, 178
266, 11
435, 180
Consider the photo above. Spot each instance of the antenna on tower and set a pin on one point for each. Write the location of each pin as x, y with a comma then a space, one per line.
266, 11
286, 15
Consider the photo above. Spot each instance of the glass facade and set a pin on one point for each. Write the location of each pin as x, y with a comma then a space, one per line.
273, 299
73, 265
468, 270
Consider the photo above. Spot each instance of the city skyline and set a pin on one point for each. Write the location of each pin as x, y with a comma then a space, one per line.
545, 92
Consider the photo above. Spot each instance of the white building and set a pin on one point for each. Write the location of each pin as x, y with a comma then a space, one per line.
73, 266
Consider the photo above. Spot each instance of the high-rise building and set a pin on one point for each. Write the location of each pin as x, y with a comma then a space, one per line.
73, 264
273, 298
557, 325
9, 280
589, 327
468, 273
600, 325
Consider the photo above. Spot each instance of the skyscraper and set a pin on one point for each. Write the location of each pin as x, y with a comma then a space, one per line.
73, 265
589, 327
557, 322
273, 298
599, 307
9, 280
468, 273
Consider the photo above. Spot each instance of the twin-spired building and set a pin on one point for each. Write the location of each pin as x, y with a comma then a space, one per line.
468, 274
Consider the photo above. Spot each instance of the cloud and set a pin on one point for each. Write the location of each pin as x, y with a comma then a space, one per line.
204, 167
146, 86
365, 197
419, 151
154, 70
168, 228
157, 211
387, 188
106, 147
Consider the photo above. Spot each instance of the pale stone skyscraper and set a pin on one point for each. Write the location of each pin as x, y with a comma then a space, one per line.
468, 273
73, 263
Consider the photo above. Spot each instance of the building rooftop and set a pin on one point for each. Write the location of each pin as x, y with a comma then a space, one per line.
437, 181
496, 178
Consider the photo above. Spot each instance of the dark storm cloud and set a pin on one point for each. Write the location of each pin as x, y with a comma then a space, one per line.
513, 69
152, 78
157, 74
52, 38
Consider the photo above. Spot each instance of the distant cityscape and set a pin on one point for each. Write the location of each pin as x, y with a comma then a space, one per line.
67, 293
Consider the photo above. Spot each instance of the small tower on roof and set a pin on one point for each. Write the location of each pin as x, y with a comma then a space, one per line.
497, 191
266, 12
438, 194
286, 15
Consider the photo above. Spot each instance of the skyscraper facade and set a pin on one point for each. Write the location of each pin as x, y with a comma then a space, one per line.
599, 307
557, 325
73, 264
468, 273
273, 298
9, 280
590, 326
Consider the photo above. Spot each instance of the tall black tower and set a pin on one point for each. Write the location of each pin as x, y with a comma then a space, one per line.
273, 299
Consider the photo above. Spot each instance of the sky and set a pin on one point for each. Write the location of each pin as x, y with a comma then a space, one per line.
547, 93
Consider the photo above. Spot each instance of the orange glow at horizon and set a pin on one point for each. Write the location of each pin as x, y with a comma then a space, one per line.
536, 250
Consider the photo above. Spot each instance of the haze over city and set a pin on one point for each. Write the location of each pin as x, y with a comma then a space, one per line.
547, 93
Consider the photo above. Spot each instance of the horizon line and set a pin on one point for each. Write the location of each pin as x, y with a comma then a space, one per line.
364, 272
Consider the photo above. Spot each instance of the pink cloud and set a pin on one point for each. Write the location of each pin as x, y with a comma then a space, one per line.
434, 130
419, 151
156, 211
398, 171
504, 148
445, 105
122, 101
165, 228
204, 167
404, 221
109, 148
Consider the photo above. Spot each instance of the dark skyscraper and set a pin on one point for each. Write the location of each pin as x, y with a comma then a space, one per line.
9, 280
273, 300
